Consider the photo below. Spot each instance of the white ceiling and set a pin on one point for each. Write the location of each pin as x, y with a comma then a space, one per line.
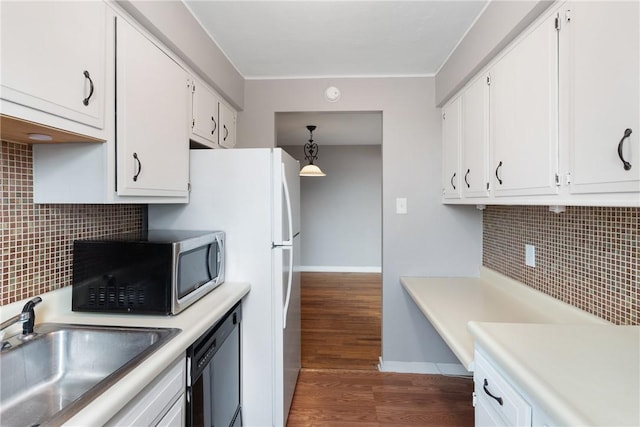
333, 128
304, 38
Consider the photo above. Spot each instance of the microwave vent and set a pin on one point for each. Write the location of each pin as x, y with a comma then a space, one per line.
121, 296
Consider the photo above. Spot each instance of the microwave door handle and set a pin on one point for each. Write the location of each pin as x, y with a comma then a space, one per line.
219, 257
285, 309
209, 261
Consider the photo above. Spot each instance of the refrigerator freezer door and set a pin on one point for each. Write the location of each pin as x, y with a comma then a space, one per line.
286, 187
286, 209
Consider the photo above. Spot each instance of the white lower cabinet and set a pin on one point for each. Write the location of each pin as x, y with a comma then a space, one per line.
496, 397
175, 417
499, 401
162, 403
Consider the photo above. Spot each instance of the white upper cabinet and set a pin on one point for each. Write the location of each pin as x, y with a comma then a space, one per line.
524, 114
205, 124
227, 127
475, 138
213, 124
451, 137
152, 110
563, 113
53, 58
601, 82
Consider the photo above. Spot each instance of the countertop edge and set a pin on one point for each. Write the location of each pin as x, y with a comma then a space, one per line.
553, 403
456, 346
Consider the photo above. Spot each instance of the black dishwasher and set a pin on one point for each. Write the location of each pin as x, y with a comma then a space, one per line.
213, 374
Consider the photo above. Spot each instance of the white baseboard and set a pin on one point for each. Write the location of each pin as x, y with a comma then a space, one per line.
339, 269
423, 368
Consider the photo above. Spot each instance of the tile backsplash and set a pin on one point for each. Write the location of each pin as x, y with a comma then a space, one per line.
587, 256
37, 239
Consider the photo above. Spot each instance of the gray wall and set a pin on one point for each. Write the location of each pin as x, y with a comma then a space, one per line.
341, 222
432, 239
499, 24
176, 27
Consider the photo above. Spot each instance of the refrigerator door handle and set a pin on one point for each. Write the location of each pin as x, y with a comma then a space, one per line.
285, 309
287, 197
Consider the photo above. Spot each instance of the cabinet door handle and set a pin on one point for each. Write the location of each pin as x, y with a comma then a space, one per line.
625, 164
498, 170
135, 156
226, 132
452, 184
486, 390
215, 125
88, 77
465, 178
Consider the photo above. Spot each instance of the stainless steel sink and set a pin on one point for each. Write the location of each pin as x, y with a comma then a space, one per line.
49, 378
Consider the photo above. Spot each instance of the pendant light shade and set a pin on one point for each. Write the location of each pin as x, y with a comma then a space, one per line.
311, 170
311, 154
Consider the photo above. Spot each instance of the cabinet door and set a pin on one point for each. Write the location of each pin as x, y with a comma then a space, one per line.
204, 123
152, 105
451, 135
227, 137
485, 416
524, 115
53, 58
175, 416
475, 138
602, 43
160, 403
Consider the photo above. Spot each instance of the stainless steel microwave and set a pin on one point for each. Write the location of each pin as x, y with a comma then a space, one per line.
153, 272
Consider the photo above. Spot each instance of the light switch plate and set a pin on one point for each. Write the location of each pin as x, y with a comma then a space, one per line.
401, 205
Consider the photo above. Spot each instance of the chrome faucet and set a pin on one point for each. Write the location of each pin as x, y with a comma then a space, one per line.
27, 326
27, 317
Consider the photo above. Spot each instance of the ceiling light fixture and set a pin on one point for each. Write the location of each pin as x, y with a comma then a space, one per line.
311, 154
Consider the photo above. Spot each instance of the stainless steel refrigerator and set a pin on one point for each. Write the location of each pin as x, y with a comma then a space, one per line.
253, 195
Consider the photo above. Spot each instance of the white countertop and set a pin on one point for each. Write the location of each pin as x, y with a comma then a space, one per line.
451, 302
579, 375
578, 369
56, 307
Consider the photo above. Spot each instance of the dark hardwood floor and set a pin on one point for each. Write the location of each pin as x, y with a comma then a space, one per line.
341, 320
347, 398
340, 386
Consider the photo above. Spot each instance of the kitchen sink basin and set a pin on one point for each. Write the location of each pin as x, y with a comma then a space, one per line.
47, 379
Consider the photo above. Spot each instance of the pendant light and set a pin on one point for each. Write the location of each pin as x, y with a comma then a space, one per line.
311, 154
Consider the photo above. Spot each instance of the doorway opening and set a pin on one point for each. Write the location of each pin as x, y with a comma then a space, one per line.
341, 236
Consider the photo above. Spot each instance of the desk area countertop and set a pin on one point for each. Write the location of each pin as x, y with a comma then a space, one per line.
578, 368
195, 320
451, 302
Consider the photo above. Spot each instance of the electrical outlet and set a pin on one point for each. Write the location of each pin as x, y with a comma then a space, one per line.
530, 255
